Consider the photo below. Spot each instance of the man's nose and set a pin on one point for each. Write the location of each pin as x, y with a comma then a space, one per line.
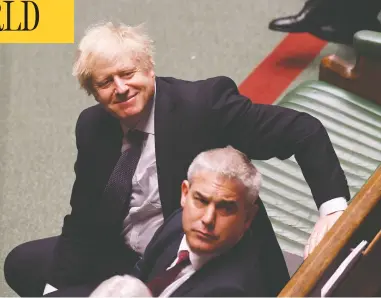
120, 85
209, 216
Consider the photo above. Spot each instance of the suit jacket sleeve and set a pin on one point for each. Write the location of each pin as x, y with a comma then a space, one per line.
266, 131
76, 251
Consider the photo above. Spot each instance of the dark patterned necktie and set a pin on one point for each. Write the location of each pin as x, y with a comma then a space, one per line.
118, 189
164, 279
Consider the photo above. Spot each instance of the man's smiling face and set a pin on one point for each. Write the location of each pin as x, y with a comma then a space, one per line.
123, 89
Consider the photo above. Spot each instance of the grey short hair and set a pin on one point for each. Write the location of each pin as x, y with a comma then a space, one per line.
231, 163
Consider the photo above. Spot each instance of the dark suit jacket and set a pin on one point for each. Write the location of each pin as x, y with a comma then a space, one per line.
238, 272
190, 117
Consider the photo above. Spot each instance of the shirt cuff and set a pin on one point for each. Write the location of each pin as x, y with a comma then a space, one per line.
49, 289
337, 204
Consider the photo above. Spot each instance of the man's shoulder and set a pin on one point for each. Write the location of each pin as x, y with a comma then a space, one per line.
95, 116
236, 272
196, 93
170, 229
94, 112
181, 83
94, 122
239, 268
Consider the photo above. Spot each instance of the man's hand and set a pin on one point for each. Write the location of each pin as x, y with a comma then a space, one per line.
321, 228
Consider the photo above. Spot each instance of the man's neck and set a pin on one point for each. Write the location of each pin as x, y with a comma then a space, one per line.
131, 122
197, 259
134, 121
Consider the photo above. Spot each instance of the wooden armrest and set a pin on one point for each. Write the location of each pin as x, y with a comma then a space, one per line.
362, 215
333, 68
363, 77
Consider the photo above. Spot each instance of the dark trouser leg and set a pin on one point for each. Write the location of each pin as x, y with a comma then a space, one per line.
75, 291
357, 15
26, 269
26, 266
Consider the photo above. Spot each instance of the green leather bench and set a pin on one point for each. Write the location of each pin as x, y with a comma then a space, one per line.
353, 121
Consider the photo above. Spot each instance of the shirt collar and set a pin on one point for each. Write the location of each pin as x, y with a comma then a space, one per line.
197, 261
147, 122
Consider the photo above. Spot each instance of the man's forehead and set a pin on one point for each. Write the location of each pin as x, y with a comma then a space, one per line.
210, 184
218, 197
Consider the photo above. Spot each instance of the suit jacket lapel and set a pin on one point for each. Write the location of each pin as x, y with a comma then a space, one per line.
166, 258
109, 146
108, 151
192, 283
164, 142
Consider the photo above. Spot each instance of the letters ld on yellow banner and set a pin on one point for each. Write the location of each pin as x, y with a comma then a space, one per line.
37, 21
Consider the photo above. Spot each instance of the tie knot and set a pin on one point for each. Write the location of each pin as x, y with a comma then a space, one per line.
183, 256
135, 136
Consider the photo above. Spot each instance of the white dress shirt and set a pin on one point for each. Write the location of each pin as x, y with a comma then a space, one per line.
145, 215
334, 205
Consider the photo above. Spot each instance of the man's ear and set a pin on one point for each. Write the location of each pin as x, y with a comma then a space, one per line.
250, 215
184, 192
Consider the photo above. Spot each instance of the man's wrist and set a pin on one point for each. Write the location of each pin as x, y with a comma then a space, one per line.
334, 205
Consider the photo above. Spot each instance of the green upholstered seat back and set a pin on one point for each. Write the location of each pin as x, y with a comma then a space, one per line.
354, 127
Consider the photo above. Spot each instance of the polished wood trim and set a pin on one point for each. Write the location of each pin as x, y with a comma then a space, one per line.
361, 78
310, 272
371, 246
332, 65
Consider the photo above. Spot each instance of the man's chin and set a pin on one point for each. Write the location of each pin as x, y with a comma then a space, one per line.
201, 248
127, 115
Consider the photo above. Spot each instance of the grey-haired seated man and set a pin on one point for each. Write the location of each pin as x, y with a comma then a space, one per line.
219, 202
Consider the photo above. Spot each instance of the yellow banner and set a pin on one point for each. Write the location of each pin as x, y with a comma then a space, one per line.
37, 21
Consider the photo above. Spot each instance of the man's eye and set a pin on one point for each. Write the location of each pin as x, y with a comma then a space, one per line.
227, 209
201, 200
103, 84
127, 74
